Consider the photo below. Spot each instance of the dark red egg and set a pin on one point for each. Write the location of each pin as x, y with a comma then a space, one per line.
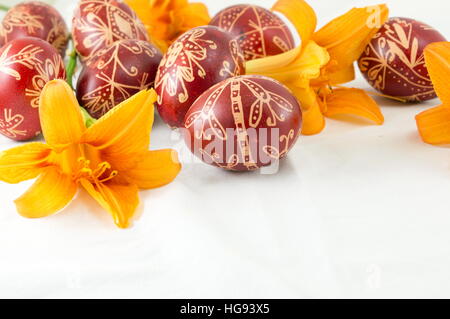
243, 123
116, 73
99, 23
197, 60
26, 65
35, 19
393, 62
259, 32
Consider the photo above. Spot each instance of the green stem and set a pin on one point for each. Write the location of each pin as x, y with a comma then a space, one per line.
71, 66
4, 8
88, 119
70, 70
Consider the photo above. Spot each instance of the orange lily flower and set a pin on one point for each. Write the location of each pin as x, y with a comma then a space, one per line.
315, 70
166, 20
434, 124
110, 159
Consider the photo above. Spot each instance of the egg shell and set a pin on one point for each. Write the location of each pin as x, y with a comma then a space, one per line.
197, 60
243, 123
259, 32
97, 24
117, 73
393, 62
26, 65
35, 19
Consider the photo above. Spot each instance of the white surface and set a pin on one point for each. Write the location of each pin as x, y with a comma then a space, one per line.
357, 211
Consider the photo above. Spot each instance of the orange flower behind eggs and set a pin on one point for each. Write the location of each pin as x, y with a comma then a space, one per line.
166, 20
325, 59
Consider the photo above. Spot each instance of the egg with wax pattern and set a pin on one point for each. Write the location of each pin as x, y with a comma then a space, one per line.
243, 123
115, 74
197, 60
26, 65
97, 24
35, 19
259, 32
393, 63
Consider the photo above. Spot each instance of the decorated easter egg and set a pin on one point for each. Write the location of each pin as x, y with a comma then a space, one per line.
259, 32
393, 62
116, 73
99, 23
26, 65
35, 19
197, 60
243, 123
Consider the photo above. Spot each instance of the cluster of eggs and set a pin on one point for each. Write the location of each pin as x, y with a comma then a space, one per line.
118, 63
229, 119
33, 36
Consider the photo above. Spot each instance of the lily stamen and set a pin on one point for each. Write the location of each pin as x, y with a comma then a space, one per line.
110, 177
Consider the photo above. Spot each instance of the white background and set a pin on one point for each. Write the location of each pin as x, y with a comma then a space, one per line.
358, 211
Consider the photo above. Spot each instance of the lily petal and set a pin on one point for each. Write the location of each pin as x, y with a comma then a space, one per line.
165, 20
155, 169
61, 119
119, 200
126, 128
274, 62
191, 16
353, 101
305, 66
347, 36
24, 162
48, 195
301, 15
434, 125
341, 76
313, 119
437, 59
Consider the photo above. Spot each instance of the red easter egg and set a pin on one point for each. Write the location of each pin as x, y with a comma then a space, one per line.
26, 65
243, 123
35, 19
197, 60
259, 32
99, 23
116, 73
393, 62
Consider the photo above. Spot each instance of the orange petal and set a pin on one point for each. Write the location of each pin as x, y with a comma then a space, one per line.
355, 102
434, 125
23, 162
61, 119
437, 59
192, 15
347, 36
126, 128
155, 169
341, 76
48, 195
165, 20
331, 75
305, 65
313, 120
274, 63
301, 15
119, 200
